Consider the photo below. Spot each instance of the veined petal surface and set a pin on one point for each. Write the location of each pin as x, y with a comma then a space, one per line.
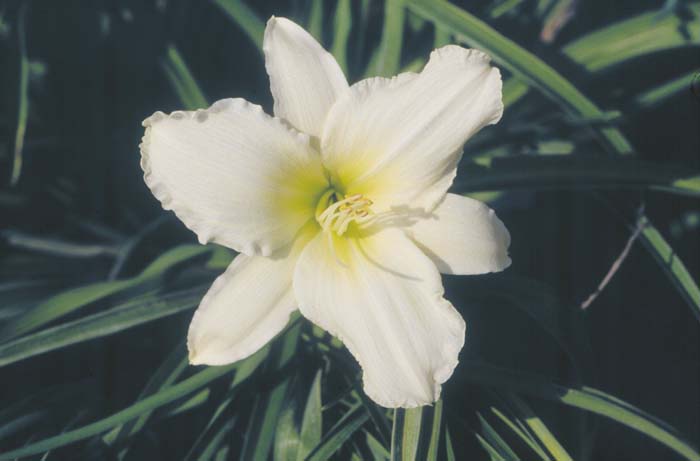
463, 237
233, 174
305, 79
246, 306
384, 299
398, 141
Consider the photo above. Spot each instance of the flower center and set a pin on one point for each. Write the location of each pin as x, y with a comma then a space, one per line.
335, 214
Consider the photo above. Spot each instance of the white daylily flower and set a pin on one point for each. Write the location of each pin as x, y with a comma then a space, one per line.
338, 205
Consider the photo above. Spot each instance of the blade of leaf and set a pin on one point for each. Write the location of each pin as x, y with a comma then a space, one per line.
342, 23
215, 443
182, 80
450, 452
493, 454
672, 265
243, 372
496, 441
513, 90
20, 423
287, 439
315, 24
523, 432
504, 7
170, 394
22, 96
535, 171
339, 433
60, 305
171, 368
361, 31
540, 430
624, 40
642, 34
194, 401
378, 416
164, 397
406, 434
667, 89
387, 58
312, 422
119, 318
522, 63
76, 298
442, 37
434, 443
266, 411
245, 18
378, 450
532, 70
222, 454
563, 171
585, 399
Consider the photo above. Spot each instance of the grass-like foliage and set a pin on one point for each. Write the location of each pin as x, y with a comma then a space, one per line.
585, 349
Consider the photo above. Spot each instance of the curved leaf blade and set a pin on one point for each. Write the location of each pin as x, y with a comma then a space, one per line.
584, 398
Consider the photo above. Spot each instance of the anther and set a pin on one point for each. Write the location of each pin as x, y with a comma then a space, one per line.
338, 215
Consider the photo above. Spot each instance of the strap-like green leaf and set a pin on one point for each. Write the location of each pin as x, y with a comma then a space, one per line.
128, 315
171, 368
342, 23
416, 433
406, 434
497, 442
642, 34
77, 298
351, 421
376, 413
540, 430
522, 63
535, 72
662, 92
387, 57
22, 96
245, 18
164, 397
268, 407
672, 265
220, 416
182, 80
584, 398
435, 431
521, 430
572, 172
217, 441
378, 450
312, 422
492, 452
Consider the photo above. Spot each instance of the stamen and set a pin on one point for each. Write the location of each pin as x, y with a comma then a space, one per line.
338, 215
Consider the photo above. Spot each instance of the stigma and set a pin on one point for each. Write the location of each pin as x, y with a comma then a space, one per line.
335, 214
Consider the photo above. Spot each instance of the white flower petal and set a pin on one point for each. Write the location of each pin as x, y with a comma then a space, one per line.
399, 141
246, 306
463, 237
304, 78
384, 299
233, 174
